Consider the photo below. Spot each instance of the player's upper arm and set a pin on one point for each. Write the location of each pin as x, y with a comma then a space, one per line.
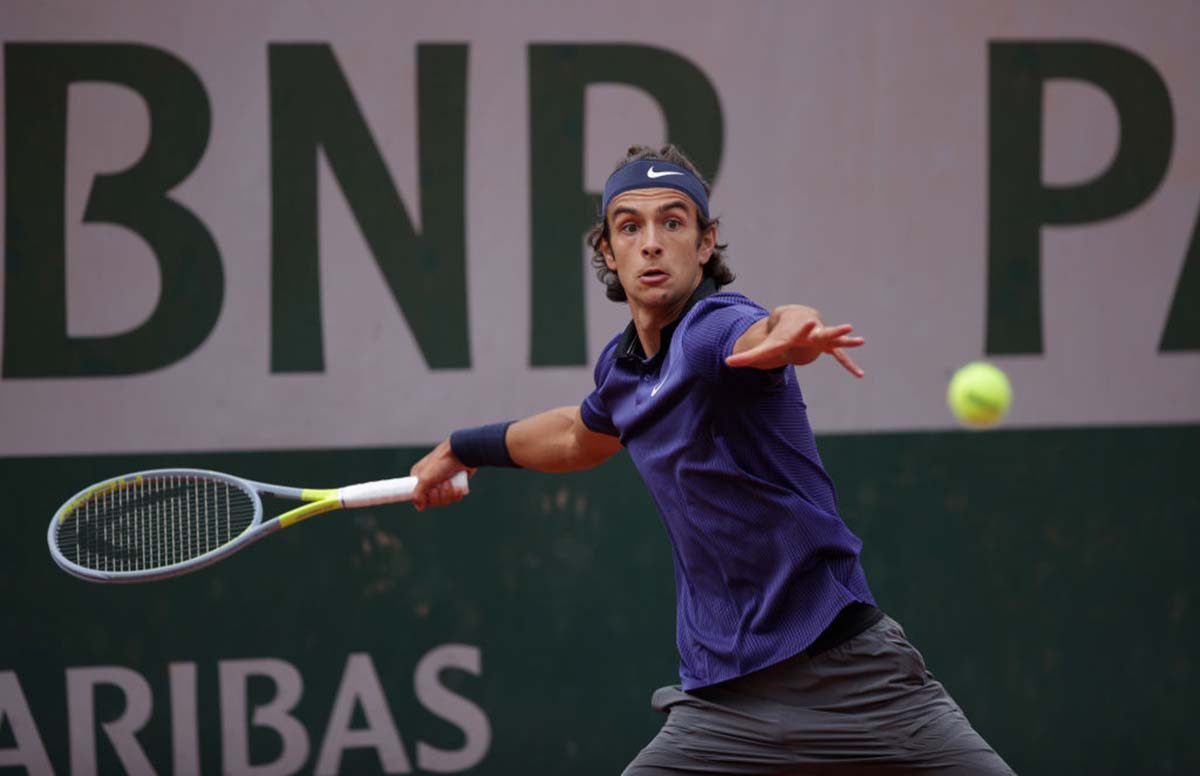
592, 447
558, 441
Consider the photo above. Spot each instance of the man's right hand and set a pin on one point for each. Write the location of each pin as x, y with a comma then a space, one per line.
433, 473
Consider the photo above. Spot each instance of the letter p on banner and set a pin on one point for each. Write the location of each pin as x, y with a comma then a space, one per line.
1019, 203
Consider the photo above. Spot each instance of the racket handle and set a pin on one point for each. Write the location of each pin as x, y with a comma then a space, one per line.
387, 491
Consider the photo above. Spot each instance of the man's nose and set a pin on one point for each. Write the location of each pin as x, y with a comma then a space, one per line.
651, 247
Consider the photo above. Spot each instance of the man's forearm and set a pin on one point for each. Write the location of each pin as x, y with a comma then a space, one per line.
558, 441
793, 334
762, 328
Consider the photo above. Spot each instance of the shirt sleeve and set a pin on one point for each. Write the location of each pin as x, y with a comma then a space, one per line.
593, 410
709, 339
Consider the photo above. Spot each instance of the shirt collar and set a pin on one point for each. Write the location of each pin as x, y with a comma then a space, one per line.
630, 345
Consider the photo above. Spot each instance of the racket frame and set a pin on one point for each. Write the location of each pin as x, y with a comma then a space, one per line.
318, 501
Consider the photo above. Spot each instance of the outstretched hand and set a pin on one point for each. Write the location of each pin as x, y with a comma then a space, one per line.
433, 473
794, 334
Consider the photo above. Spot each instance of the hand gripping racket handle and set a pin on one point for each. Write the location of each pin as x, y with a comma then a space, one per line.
386, 491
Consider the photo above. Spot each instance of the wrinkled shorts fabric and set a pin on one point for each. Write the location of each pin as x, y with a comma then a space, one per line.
866, 706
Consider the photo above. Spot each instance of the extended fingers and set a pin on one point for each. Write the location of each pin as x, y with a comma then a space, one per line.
827, 333
846, 342
847, 362
808, 329
801, 346
833, 338
824, 338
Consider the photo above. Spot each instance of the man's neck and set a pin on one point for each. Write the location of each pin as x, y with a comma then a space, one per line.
650, 321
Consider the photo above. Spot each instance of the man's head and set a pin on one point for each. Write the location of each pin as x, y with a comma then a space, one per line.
654, 222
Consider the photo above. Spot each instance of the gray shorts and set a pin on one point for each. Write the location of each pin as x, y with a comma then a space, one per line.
868, 705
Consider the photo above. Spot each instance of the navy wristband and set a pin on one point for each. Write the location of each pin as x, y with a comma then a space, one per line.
483, 446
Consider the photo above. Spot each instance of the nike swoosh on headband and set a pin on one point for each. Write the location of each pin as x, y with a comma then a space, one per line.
651, 173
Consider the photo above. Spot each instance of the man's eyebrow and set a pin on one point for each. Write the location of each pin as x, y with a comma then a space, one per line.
676, 204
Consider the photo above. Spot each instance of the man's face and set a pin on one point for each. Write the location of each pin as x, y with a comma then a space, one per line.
655, 246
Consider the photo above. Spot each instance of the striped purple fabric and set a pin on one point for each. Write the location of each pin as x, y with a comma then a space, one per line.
763, 562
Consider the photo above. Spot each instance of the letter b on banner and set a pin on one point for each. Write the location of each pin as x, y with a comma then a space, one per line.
37, 77
276, 715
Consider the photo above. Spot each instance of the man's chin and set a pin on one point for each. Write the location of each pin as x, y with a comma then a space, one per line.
656, 298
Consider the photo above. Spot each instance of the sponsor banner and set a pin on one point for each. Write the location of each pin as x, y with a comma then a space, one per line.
124, 699
284, 225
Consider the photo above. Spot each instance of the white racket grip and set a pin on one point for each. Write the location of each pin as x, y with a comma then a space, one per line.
367, 494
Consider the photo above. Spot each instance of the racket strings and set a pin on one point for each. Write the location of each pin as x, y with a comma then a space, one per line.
154, 523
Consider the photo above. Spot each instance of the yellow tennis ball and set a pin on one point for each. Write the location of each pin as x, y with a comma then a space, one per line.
979, 395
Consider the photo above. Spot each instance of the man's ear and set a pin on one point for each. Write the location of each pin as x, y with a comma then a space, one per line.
708, 243
606, 251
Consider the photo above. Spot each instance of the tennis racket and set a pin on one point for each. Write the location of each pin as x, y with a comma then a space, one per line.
165, 522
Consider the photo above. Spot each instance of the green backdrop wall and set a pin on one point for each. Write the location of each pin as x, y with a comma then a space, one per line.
1046, 576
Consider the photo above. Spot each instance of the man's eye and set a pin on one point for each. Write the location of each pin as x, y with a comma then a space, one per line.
628, 227
673, 223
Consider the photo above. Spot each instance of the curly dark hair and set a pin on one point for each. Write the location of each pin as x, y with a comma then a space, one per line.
716, 268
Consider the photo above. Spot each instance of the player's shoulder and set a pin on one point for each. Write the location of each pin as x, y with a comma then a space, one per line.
609, 351
709, 329
724, 304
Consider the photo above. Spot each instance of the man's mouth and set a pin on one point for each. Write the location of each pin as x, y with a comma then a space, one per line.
654, 276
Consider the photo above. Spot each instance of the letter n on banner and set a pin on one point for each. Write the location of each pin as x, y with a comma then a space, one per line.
314, 110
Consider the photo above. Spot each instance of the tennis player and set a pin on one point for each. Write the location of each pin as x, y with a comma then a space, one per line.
786, 664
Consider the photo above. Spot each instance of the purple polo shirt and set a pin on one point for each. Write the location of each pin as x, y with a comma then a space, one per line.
763, 562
